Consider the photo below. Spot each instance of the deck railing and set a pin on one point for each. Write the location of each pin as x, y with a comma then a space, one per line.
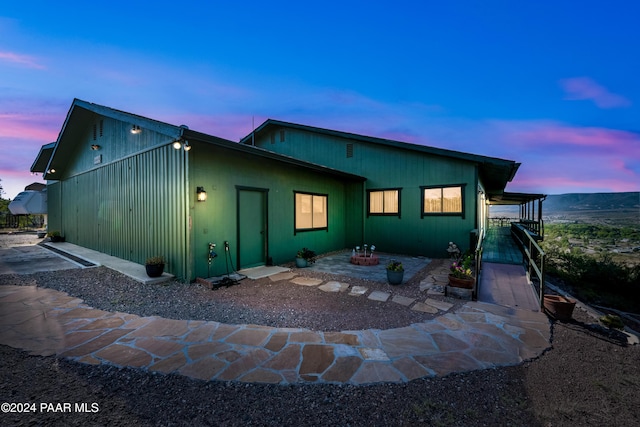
533, 257
478, 260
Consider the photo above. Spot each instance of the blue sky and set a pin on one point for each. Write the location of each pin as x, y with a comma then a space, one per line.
553, 85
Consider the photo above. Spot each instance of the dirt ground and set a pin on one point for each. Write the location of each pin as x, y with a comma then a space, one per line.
590, 377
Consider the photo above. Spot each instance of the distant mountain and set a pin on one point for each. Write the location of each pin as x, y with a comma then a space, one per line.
591, 201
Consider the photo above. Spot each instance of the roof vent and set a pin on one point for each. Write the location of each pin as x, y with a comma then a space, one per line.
349, 150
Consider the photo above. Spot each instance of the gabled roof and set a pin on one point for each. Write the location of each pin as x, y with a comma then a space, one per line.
191, 135
79, 113
56, 153
44, 157
494, 172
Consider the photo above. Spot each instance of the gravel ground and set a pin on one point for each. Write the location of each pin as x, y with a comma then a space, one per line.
589, 377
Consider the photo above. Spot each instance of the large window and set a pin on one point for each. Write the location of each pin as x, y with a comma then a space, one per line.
310, 211
446, 200
384, 202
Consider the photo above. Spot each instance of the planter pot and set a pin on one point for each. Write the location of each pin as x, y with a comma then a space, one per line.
301, 263
41, 234
395, 277
56, 239
559, 307
457, 282
154, 270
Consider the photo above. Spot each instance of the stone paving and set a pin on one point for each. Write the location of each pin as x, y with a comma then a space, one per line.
338, 263
476, 336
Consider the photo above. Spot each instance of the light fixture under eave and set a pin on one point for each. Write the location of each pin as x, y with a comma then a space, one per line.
135, 129
52, 170
177, 144
187, 147
95, 147
202, 195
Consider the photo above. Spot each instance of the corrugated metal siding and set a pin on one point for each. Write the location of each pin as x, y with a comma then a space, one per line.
388, 167
54, 217
220, 171
133, 208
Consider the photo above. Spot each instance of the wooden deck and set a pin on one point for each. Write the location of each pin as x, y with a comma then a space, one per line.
500, 247
503, 278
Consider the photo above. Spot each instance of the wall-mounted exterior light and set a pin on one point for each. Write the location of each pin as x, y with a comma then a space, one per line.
135, 129
95, 147
202, 195
181, 143
52, 170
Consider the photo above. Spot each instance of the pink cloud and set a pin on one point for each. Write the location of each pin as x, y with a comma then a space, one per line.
553, 138
26, 126
24, 60
560, 183
584, 88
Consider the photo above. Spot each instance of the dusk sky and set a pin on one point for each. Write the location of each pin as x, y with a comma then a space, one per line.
553, 85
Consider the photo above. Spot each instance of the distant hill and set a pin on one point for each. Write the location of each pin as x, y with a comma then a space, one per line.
591, 202
617, 209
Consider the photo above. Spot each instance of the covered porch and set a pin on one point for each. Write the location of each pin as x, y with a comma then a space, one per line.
509, 259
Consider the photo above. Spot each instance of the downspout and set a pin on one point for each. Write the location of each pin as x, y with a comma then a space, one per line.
188, 252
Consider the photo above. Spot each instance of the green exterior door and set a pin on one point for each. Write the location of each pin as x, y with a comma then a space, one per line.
252, 227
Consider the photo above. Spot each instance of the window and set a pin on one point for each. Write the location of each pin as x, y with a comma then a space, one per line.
384, 202
443, 200
310, 211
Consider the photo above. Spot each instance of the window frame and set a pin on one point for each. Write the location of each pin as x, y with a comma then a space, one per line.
442, 187
382, 190
295, 212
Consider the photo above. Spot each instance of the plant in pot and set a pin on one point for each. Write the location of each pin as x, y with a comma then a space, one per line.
305, 257
461, 273
154, 266
395, 272
55, 236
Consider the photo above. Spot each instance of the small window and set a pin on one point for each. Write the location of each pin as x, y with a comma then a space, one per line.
447, 200
384, 202
311, 211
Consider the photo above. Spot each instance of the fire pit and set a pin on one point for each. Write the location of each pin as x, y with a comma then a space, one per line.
359, 258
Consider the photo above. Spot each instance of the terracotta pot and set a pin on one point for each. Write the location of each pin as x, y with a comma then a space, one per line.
457, 282
559, 307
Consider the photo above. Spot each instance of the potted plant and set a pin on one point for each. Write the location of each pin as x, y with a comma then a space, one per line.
559, 307
154, 266
395, 272
55, 236
305, 257
461, 274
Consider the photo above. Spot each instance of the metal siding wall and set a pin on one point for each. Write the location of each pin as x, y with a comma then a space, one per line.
388, 167
220, 171
132, 209
54, 217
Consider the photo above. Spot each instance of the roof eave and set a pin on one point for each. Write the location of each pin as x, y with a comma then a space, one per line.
242, 147
42, 159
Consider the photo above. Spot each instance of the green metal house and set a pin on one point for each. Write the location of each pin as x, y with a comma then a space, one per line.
134, 187
417, 198
129, 186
